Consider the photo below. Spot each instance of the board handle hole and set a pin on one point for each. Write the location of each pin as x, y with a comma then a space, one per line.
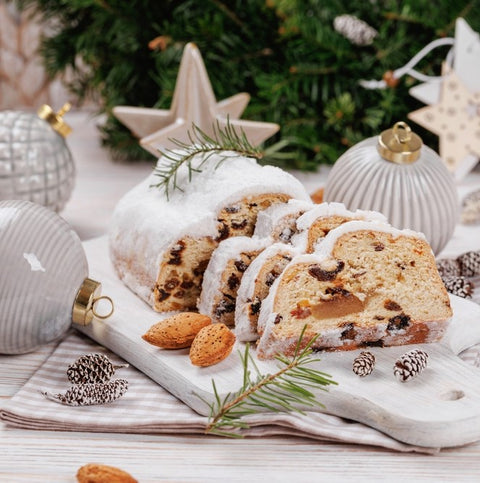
453, 395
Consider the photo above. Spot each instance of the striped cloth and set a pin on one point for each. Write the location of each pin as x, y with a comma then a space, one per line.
147, 408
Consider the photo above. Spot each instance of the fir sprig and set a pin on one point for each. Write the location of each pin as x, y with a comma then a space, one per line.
287, 390
227, 142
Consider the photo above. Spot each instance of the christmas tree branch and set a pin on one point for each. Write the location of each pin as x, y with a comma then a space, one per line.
287, 390
227, 142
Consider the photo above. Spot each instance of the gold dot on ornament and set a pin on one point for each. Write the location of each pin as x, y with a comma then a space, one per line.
451, 136
451, 111
429, 117
450, 161
453, 85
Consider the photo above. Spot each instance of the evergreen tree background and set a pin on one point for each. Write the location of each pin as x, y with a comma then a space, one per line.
286, 54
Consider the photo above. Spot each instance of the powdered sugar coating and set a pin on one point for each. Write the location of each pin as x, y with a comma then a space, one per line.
332, 209
270, 218
229, 249
145, 223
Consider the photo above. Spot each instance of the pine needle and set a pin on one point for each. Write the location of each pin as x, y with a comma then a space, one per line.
287, 390
227, 142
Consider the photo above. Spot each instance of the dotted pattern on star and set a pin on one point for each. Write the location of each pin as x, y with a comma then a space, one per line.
455, 119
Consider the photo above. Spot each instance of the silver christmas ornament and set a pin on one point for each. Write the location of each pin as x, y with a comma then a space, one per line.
44, 284
397, 175
35, 162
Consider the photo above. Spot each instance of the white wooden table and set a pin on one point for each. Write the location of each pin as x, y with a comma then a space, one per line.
42, 456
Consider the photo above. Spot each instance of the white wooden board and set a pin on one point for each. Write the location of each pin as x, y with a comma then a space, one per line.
440, 408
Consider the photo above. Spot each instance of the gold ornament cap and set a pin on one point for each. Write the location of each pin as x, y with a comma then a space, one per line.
84, 305
399, 144
56, 119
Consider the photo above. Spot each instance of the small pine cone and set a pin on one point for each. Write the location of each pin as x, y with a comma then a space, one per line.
410, 365
91, 368
448, 267
471, 197
354, 29
91, 394
363, 364
471, 213
469, 264
460, 286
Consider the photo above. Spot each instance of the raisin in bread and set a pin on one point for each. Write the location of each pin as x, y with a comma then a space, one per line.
279, 221
255, 285
366, 284
310, 227
160, 247
224, 274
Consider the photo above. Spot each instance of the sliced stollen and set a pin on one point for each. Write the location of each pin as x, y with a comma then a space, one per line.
367, 284
316, 223
160, 246
279, 221
310, 228
255, 285
224, 274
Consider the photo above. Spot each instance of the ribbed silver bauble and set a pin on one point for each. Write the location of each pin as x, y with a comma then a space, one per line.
397, 175
35, 162
43, 284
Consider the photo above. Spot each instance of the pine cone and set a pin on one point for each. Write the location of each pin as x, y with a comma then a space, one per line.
460, 286
471, 197
363, 364
354, 29
471, 213
91, 394
469, 264
410, 365
448, 267
92, 368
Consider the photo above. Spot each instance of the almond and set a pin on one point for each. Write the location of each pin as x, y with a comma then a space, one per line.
211, 345
178, 331
94, 473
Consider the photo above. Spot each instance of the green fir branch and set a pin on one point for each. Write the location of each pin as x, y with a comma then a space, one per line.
227, 142
287, 390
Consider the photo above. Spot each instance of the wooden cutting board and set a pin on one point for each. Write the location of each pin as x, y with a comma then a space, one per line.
439, 408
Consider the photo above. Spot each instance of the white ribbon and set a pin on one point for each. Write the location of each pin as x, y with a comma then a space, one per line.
408, 68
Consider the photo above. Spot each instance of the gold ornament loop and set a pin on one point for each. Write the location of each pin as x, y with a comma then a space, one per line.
56, 119
402, 132
399, 144
96, 314
88, 295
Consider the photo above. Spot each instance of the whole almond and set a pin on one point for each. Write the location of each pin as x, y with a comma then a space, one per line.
94, 473
211, 345
178, 331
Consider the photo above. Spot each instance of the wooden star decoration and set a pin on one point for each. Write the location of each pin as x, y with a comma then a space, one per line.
456, 120
193, 102
466, 64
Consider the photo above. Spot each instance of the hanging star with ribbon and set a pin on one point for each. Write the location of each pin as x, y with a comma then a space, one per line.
455, 119
466, 66
193, 103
